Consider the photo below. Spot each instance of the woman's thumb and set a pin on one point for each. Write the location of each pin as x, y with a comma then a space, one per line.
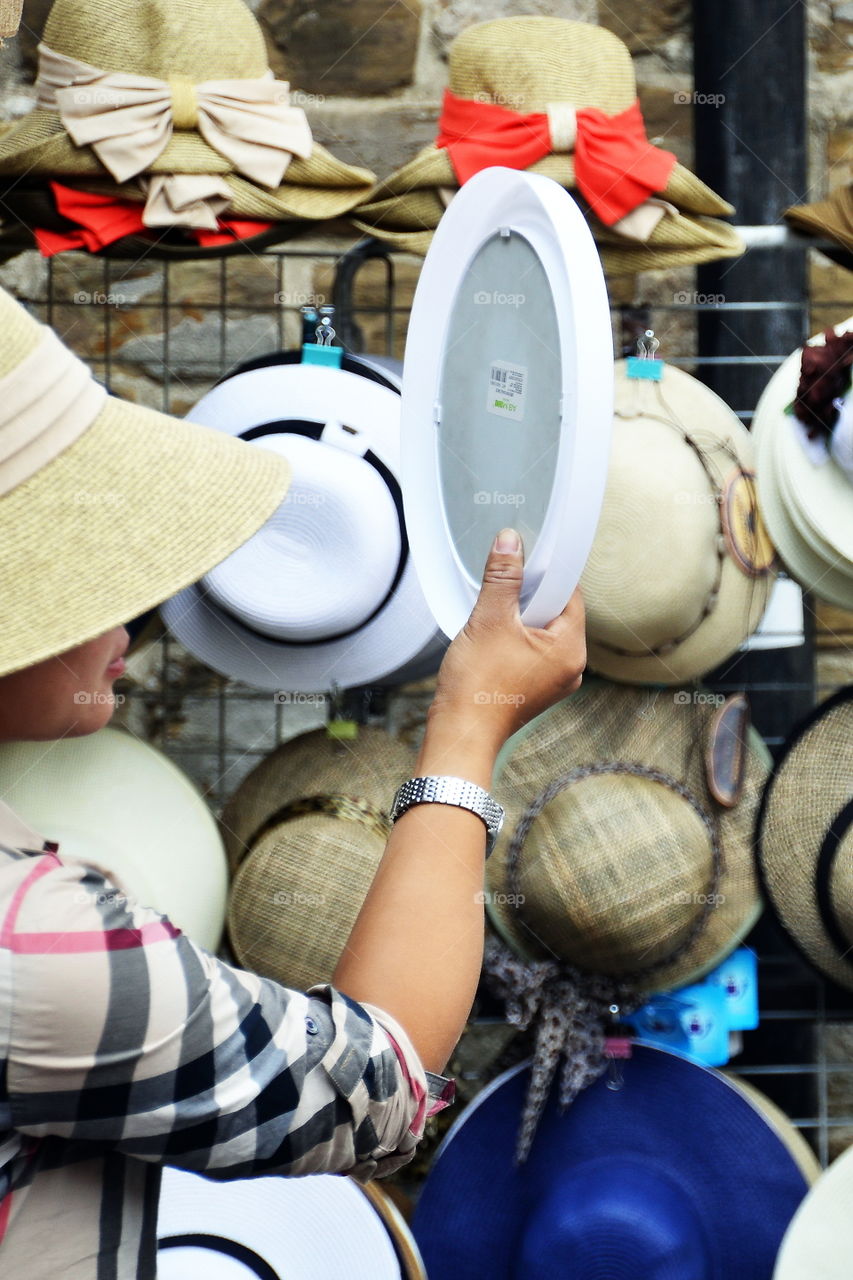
502, 578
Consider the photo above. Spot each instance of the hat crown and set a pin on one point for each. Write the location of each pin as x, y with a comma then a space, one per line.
525, 63
196, 39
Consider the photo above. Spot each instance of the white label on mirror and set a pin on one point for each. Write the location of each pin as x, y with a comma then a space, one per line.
507, 390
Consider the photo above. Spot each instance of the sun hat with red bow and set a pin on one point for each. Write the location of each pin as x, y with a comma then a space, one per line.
558, 98
170, 105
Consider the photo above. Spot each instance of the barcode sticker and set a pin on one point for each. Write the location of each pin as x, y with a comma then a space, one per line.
507, 390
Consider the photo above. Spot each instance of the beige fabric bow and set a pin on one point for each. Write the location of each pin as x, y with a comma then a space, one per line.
128, 121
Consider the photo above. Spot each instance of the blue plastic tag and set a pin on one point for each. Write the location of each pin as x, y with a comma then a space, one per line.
692, 1021
329, 357
738, 978
643, 367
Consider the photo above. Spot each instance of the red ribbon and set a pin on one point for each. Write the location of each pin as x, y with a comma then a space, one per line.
101, 220
616, 167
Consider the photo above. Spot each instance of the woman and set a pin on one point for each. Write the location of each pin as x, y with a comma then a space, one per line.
125, 1046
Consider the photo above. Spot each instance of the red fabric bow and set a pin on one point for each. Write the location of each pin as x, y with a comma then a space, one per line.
616, 167
101, 220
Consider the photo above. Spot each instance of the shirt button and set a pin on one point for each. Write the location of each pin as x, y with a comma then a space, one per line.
311, 1026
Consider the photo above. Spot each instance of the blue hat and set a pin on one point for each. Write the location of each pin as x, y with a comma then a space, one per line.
679, 1174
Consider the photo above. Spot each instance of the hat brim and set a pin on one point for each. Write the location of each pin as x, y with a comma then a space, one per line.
212, 1230
658, 730
116, 803
809, 787
830, 219
675, 1118
819, 1239
138, 507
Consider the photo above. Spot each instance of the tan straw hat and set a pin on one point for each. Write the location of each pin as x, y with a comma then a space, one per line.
805, 469
135, 90
830, 219
681, 569
818, 1243
551, 65
805, 837
631, 868
306, 831
106, 508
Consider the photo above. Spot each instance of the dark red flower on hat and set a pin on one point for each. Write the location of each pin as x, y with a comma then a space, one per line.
825, 376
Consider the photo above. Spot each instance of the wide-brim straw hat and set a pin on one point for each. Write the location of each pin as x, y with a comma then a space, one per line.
323, 1227
819, 1241
632, 869
681, 569
305, 832
106, 508
119, 805
531, 63
805, 838
327, 592
677, 1173
187, 42
806, 498
830, 219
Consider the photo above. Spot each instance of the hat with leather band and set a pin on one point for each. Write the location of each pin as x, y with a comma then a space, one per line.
304, 834
681, 569
326, 593
803, 431
171, 103
558, 98
673, 1173
625, 865
106, 508
805, 838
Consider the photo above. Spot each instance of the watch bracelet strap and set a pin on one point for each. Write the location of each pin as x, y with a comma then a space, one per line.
455, 791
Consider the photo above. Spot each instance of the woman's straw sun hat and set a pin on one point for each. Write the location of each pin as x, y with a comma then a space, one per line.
106, 508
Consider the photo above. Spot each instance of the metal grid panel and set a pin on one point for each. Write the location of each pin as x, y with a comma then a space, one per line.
163, 332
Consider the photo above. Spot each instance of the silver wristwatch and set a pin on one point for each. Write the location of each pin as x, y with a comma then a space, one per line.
443, 790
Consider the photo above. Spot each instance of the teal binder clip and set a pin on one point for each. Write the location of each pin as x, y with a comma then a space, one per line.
645, 366
320, 351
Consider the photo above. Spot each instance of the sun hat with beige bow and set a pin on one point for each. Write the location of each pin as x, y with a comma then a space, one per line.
106, 508
558, 98
304, 833
172, 103
625, 862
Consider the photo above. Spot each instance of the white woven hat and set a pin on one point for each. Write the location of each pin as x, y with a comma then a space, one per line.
323, 1227
818, 1244
326, 593
806, 497
119, 805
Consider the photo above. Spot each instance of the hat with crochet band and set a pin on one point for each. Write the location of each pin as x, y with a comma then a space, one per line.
172, 102
106, 508
558, 98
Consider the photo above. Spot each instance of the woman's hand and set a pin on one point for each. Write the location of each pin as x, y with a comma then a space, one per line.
498, 673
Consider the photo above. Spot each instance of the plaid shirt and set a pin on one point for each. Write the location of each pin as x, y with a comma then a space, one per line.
125, 1046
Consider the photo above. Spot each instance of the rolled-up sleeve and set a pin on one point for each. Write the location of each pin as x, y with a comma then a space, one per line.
126, 1035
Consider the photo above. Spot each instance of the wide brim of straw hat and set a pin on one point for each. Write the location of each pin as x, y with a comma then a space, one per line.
195, 40
624, 884
806, 504
137, 508
672, 1121
818, 1243
804, 800
305, 833
830, 219
666, 599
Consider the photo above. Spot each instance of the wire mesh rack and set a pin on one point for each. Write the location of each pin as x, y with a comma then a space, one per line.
162, 332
